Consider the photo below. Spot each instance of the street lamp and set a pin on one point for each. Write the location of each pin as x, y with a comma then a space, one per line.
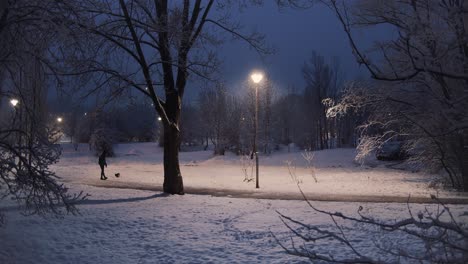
59, 119
14, 102
256, 78
160, 132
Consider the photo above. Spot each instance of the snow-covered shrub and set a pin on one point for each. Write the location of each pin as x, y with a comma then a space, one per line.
25, 176
431, 235
420, 93
248, 167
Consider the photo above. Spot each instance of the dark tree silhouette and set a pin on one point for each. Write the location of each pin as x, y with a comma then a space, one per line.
152, 45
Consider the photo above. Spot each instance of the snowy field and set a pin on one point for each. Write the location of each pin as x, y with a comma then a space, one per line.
338, 176
137, 226
129, 226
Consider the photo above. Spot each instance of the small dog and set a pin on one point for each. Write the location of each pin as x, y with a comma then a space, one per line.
117, 175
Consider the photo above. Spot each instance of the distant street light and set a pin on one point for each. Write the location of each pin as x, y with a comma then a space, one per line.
159, 119
256, 78
14, 102
59, 119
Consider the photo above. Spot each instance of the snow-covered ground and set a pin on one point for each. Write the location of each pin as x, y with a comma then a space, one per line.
131, 226
125, 226
337, 174
135, 226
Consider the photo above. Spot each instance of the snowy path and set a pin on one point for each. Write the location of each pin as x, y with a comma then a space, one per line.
339, 178
281, 195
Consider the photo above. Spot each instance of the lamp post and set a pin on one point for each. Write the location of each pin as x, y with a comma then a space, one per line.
60, 128
160, 132
14, 102
256, 78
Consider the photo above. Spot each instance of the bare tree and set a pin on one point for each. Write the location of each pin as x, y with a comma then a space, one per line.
205, 112
25, 174
266, 96
319, 77
234, 125
71, 124
289, 119
151, 45
214, 108
26, 30
191, 123
346, 121
135, 122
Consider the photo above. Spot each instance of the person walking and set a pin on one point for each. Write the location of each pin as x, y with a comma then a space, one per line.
102, 163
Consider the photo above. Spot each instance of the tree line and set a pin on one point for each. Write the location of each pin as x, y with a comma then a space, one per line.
218, 119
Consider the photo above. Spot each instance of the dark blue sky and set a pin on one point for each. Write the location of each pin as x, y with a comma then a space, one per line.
294, 34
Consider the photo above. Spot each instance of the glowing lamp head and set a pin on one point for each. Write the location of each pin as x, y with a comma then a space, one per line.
14, 102
159, 118
59, 119
256, 77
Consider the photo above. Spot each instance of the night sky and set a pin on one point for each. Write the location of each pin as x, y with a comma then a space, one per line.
294, 34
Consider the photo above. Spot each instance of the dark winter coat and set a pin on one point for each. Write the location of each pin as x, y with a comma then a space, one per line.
102, 160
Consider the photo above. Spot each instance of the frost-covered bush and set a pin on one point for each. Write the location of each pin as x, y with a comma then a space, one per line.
419, 98
25, 176
432, 234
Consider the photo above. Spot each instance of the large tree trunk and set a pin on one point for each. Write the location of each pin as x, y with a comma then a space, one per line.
173, 182
465, 132
464, 160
